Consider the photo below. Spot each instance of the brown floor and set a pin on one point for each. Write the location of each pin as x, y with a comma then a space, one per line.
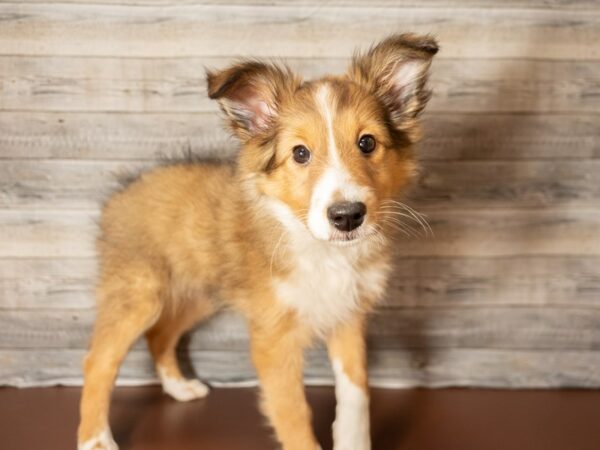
448, 419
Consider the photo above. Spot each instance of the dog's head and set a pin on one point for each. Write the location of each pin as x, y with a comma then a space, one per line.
331, 154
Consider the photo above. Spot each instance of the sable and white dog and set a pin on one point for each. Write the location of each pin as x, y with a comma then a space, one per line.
295, 235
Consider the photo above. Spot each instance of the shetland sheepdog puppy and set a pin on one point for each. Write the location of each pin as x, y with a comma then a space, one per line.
295, 235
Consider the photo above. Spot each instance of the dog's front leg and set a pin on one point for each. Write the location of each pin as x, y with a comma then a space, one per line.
347, 351
277, 353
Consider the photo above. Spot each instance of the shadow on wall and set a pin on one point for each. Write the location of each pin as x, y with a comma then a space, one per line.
456, 202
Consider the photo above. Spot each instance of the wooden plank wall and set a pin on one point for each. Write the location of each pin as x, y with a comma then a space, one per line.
506, 294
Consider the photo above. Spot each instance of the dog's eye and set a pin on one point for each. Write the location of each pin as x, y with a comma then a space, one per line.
367, 143
301, 154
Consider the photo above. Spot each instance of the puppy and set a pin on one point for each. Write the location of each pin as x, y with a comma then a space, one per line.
295, 235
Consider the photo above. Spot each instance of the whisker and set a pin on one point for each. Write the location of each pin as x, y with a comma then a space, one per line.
421, 218
399, 226
393, 206
378, 232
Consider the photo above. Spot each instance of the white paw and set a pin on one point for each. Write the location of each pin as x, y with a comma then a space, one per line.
183, 390
186, 390
351, 425
356, 438
102, 441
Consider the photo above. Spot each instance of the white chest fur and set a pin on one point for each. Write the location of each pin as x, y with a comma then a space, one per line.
329, 283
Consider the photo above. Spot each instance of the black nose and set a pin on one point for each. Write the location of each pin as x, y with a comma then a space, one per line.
346, 216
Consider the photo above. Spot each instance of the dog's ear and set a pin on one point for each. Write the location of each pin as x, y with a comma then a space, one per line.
396, 71
250, 94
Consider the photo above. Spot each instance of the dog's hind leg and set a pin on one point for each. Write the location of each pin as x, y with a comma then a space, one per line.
127, 307
162, 341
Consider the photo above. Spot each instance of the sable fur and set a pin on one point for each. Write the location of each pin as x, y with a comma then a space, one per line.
184, 241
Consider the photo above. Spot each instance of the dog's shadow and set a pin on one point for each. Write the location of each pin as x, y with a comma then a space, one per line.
184, 356
390, 424
473, 137
129, 409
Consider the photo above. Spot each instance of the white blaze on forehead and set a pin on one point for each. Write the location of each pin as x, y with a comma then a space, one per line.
335, 178
351, 427
324, 102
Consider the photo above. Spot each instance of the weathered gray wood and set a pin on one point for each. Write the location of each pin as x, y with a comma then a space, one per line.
560, 281
529, 4
25, 368
34, 184
510, 136
182, 30
397, 368
111, 136
487, 368
421, 282
72, 329
508, 183
466, 232
489, 327
457, 282
47, 283
47, 233
492, 327
547, 231
508, 292
62, 183
177, 84
467, 85
56, 135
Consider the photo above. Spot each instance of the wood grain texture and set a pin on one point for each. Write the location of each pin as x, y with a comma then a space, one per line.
390, 368
178, 84
421, 282
47, 283
151, 136
111, 136
72, 328
47, 233
68, 184
511, 137
304, 31
465, 232
505, 295
527, 4
496, 184
62, 184
491, 327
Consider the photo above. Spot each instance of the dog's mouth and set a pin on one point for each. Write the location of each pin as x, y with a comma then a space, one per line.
345, 236
351, 237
